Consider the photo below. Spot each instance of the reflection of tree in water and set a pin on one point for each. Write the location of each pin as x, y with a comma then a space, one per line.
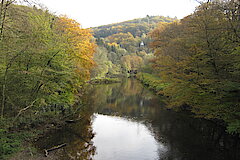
122, 99
78, 137
190, 138
81, 146
131, 88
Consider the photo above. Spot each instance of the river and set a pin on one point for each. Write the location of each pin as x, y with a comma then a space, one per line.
126, 121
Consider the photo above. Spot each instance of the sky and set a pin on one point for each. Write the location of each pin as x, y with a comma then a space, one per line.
92, 13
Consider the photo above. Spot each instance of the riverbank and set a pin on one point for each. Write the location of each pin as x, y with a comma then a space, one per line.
29, 150
20, 140
17, 139
154, 83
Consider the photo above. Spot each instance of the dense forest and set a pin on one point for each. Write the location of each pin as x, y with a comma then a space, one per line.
45, 60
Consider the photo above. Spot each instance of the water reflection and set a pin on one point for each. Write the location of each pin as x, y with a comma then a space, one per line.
128, 99
130, 123
181, 136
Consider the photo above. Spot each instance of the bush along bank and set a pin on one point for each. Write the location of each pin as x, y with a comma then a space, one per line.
152, 82
155, 83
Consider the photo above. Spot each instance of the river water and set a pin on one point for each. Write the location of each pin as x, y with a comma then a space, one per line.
125, 121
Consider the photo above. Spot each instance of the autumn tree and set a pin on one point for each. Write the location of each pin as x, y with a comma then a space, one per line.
44, 60
131, 62
198, 57
80, 46
125, 40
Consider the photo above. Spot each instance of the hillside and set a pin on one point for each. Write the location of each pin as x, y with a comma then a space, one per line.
123, 47
136, 26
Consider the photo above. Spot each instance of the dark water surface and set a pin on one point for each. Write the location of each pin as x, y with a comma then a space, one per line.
126, 121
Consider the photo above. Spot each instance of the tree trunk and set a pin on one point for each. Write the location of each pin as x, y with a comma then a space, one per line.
8, 65
54, 148
3, 15
4, 92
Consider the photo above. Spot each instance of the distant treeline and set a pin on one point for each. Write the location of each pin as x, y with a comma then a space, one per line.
136, 27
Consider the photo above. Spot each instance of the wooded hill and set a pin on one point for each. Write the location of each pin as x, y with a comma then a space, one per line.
122, 47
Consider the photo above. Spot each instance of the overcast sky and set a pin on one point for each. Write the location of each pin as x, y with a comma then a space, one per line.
91, 13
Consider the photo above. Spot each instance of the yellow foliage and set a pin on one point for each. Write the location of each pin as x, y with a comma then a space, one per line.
79, 45
113, 44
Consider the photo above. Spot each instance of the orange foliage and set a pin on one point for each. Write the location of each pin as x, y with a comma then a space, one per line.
80, 45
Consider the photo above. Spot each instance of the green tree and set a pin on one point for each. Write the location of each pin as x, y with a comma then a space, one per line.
102, 63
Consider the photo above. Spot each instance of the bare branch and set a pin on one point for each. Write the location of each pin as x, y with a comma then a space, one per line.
23, 110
